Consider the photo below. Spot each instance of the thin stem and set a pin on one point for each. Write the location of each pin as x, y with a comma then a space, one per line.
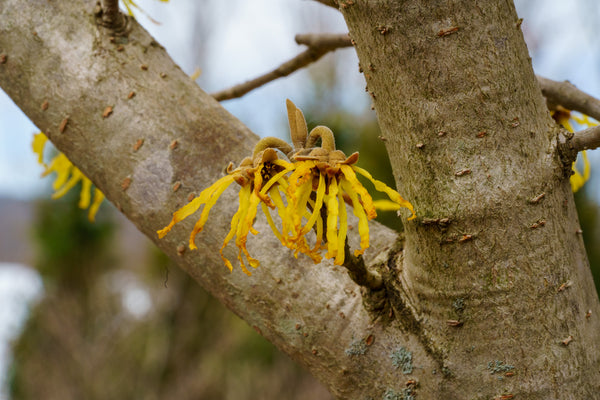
333, 40
358, 271
112, 17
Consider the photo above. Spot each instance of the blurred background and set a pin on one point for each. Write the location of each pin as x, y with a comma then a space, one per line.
95, 311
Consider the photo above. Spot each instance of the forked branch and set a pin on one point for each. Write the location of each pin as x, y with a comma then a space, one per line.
565, 94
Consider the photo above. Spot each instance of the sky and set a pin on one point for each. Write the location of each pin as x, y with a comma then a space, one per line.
254, 37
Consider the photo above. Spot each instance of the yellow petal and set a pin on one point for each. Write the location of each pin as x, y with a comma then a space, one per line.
319, 237
246, 226
209, 204
243, 212
282, 210
300, 175
584, 120
195, 204
234, 225
586, 166
367, 201
85, 194
242, 265
332, 216
317, 206
62, 166
382, 187
98, 198
270, 221
247, 219
76, 176
38, 144
363, 222
300, 204
341, 239
578, 179
386, 205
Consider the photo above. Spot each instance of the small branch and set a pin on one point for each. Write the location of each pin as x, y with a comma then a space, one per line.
568, 96
332, 40
112, 17
587, 139
318, 47
358, 271
330, 3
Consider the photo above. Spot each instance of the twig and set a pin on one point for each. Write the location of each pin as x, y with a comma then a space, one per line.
330, 3
568, 96
359, 272
332, 40
112, 17
319, 45
587, 139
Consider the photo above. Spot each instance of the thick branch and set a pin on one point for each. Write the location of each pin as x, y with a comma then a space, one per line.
568, 96
318, 47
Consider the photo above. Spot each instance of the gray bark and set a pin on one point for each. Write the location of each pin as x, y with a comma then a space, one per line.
487, 268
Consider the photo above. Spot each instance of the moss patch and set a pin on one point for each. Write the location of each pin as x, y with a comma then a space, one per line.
402, 358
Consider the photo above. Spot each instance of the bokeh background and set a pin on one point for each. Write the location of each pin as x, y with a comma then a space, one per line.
95, 311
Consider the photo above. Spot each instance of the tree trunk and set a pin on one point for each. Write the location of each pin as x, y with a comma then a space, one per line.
489, 283
472, 144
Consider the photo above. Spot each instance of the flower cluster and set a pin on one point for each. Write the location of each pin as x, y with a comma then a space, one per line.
67, 176
565, 118
309, 191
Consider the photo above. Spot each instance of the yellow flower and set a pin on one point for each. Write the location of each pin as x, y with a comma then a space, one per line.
313, 197
337, 184
67, 176
328, 176
564, 118
251, 178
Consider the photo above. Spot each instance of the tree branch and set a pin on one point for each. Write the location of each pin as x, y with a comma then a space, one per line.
587, 139
330, 3
112, 17
568, 96
325, 40
318, 46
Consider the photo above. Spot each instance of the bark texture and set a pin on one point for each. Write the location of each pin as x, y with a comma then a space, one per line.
486, 267
472, 145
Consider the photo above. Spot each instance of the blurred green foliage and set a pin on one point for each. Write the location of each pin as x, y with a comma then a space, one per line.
65, 238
